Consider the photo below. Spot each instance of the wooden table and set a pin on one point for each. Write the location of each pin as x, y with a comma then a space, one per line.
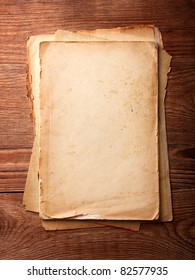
21, 234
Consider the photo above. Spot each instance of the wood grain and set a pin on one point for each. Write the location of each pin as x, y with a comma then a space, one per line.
24, 231
21, 234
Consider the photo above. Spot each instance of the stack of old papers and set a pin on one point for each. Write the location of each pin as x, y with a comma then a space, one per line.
100, 150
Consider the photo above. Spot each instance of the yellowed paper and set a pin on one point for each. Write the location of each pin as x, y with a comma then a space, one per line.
165, 196
165, 189
62, 35
31, 190
148, 33
134, 33
73, 224
99, 109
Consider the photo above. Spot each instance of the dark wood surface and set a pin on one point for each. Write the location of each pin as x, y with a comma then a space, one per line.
21, 234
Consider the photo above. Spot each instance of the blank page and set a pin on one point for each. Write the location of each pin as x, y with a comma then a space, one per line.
99, 130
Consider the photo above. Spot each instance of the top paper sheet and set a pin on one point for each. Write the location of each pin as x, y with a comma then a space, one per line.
99, 130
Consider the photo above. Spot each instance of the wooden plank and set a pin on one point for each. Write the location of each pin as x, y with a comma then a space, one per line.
179, 104
79, 13
22, 236
16, 125
182, 166
14, 160
13, 169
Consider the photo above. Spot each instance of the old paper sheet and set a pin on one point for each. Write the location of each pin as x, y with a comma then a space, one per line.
31, 187
165, 195
31, 195
147, 33
132, 33
165, 188
105, 122
75, 224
